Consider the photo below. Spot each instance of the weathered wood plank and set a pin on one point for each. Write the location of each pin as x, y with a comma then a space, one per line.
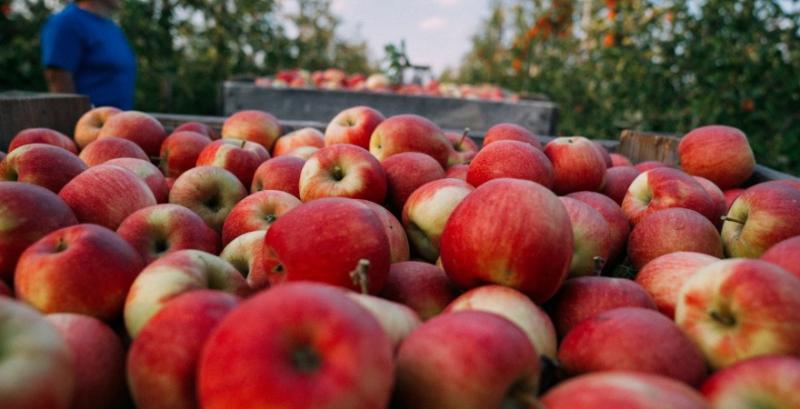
643, 146
21, 110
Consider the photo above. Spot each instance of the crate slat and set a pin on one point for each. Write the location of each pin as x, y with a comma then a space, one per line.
21, 110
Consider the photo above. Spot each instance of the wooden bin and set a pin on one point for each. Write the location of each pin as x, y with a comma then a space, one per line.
20, 110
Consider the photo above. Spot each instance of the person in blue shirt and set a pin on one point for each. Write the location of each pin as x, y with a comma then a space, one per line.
84, 51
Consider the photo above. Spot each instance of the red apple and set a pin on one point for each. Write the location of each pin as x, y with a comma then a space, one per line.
785, 254
138, 127
510, 159
85, 269
409, 133
298, 138
246, 254
730, 196
464, 148
603, 153
617, 223
149, 174
398, 242
457, 172
343, 171
423, 287
303, 152
769, 382
511, 232
618, 180
256, 212
281, 173
179, 152
103, 150
42, 135
664, 188
718, 153
577, 165
669, 231
297, 346
88, 127
650, 165
511, 132
407, 171
717, 197
45, 165
241, 158
592, 238
198, 127
664, 276
254, 126
209, 191
618, 159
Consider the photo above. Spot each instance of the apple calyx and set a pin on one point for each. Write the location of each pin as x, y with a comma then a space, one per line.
270, 218
60, 246
305, 359
732, 219
599, 264
724, 318
338, 173
360, 275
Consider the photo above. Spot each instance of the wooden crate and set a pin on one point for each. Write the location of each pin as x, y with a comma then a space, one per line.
20, 110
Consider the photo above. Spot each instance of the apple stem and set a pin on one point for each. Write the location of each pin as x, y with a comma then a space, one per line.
360, 275
731, 219
463, 136
599, 264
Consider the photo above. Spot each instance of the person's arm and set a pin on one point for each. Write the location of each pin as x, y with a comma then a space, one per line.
59, 80
61, 54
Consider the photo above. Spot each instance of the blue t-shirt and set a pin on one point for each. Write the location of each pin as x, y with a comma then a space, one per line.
94, 49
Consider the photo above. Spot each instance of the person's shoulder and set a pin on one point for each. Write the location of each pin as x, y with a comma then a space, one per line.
68, 18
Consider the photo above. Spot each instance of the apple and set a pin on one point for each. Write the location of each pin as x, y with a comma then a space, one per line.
256, 212
407, 171
297, 346
510, 159
42, 135
457, 172
246, 254
671, 230
718, 153
664, 276
768, 382
343, 171
352, 232
99, 361
158, 230
618, 159
423, 287
619, 227
138, 127
45, 165
517, 308
618, 180
512, 232
438, 365
175, 274
464, 148
148, 173
717, 197
604, 343
106, 195
297, 138
664, 188
378, 82
604, 153
650, 165
398, 241
785, 254
209, 191
761, 217
582, 298
198, 127
739, 309
241, 158
397, 320
730, 196
37, 370
163, 359
623, 389
577, 165
511, 132
427, 210
592, 238
88, 126
253, 126
409, 133
282, 173
103, 150
303, 152
179, 152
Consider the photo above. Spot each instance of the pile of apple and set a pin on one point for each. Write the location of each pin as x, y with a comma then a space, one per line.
386, 263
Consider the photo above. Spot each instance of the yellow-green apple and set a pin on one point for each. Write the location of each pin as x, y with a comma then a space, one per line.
163, 360
584, 297
438, 366
45, 165
407, 171
246, 254
42, 135
718, 153
241, 158
156, 231
603, 153
423, 287
339, 233
88, 126
28, 213
517, 308
510, 159
297, 346
511, 132
730, 196
785, 254
198, 127
623, 389
209, 191
464, 148
664, 276
738, 309
397, 320
99, 361
618, 159
512, 232
618, 180
254, 126
604, 343
172, 275
617, 222
409, 133
671, 230
398, 241
592, 238
766, 382
649, 165
179, 152
106, 195
717, 197
149, 174
378, 82
457, 172
108, 148
295, 139
37, 370
664, 188
761, 217
137, 127
256, 212
343, 170
86, 269
427, 210
281, 173
577, 165
302, 152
